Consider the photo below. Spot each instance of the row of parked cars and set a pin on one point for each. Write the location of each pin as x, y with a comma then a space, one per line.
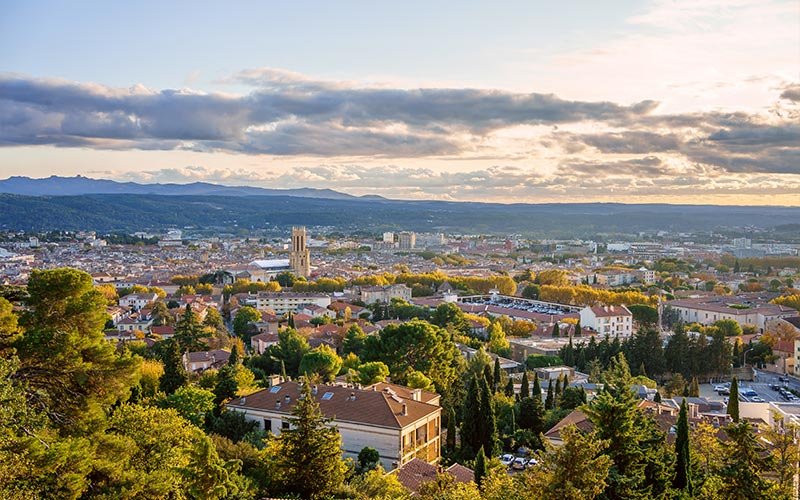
524, 305
517, 463
785, 393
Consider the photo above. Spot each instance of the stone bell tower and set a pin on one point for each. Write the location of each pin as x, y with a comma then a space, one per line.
300, 258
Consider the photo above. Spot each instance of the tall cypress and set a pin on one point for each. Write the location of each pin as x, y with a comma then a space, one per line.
683, 480
488, 423
496, 381
450, 444
556, 332
470, 420
510, 388
291, 321
524, 390
537, 389
578, 330
557, 390
480, 467
175, 374
548, 401
694, 388
733, 401
487, 374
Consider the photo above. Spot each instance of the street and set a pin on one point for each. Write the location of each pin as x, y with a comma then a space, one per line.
761, 383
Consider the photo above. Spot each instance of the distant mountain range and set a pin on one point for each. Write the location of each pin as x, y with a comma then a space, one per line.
80, 185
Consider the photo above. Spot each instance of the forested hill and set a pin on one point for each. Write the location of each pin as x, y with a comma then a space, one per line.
128, 212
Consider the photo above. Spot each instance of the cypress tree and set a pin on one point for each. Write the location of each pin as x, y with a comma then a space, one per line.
291, 321
284, 378
496, 381
510, 388
733, 401
548, 402
578, 330
234, 359
694, 388
488, 423
175, 374
524, 390
683, 480
557, 391
227, 386
470, 419
480, 467
450, 444
556, 332
487, 374
736, 268
537, 389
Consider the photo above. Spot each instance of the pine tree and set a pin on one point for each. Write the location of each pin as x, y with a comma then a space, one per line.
496, 381
510, 388
480, 467
188, 330
175, 375
310, 459
470, 420
450, 444
548, 401
556, 332
524, 390
733, 401
683, 480
744, 465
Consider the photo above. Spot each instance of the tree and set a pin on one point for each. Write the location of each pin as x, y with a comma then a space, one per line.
175, 374
498, 343
470, 420
576, 470
782, 437
694, 388
449, 315
744, 464
729, 327
531, 291
509, 390
445, 487
214, 320
243, 322
207, 476
372, 372
310, 458
191, 402
531, 414
536, 393
497, 375
68, 367
354, 340
227, 385
556, 332
290, 349
322, 362
450, 442
733, 401
416, 346
549, 401
644, 315
368, 459
379, 485
480, 467
189, 331
488, 421
525, 390
418, 380
683, 479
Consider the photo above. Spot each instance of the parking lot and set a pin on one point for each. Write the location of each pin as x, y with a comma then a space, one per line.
532, 306
762, 386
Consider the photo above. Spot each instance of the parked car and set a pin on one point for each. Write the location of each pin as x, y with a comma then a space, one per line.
775, 387
519, 463
783, 379
507, 459
757, 399
531, 463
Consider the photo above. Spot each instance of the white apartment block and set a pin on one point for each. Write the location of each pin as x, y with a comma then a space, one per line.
373, 294
614, 321
137, 300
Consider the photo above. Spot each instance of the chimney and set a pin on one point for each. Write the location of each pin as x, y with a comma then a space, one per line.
287, 399
243, 401
404, 411
277, 404
416, 394
314, 390
352, 396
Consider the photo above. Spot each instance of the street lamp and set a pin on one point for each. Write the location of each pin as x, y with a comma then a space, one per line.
744, 357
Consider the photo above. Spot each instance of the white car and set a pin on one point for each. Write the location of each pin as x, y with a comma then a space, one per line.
532, 462
507, 459
757, 399
519, 463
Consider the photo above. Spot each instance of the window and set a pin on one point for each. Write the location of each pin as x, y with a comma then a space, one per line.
284, 425
275, 389
267, 425
327, 396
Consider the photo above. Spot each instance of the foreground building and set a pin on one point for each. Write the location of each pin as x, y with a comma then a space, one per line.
614, 321
401, 423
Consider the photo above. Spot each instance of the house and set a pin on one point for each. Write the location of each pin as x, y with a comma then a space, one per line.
203, 360
140, 323
614, 321
316, 311
413, 474
340, 307
260, 342
137, 301
401, 429
163, 331
285, 302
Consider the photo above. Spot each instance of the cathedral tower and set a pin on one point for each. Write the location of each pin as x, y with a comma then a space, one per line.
300, 258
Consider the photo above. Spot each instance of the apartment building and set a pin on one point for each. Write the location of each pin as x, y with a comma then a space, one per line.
283, 303
615, 321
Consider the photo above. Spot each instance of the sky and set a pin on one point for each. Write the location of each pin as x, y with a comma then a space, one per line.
675, 101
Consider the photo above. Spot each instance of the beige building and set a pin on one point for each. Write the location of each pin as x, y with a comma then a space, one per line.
407, 240
300, 257
401, 423
745, 310
282, 303
373, 294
